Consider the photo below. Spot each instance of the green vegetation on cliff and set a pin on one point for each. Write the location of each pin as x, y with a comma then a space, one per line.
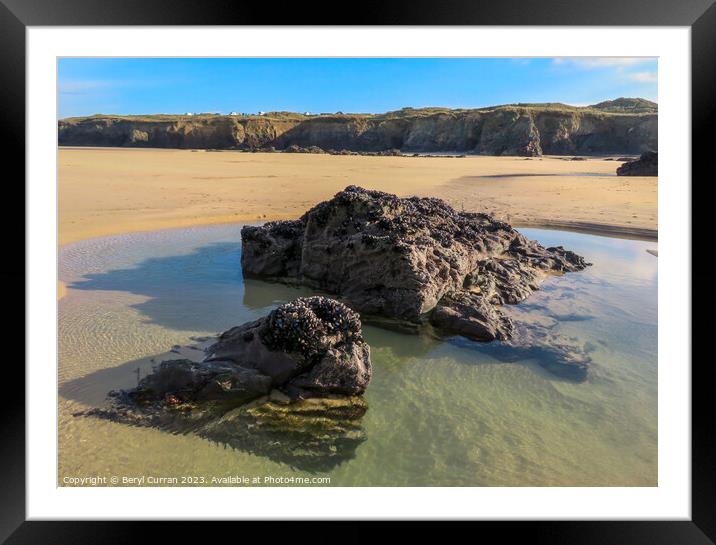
628, 105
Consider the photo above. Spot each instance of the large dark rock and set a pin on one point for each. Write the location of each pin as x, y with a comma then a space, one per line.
286, 386
410, 259
404, 258
646, 165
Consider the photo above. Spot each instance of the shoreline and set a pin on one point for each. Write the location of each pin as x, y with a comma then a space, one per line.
412, 154
610, 231
596, 229
587, 228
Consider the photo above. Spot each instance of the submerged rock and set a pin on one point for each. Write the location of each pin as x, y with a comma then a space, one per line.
412, 259
286, 386
472, 316
185, 381
646, 165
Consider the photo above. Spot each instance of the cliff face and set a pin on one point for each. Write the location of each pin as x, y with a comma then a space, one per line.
216, 132
505, 130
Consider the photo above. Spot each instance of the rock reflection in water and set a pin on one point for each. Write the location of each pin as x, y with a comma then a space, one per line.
313, 435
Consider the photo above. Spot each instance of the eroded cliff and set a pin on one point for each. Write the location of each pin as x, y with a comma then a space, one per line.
522, 129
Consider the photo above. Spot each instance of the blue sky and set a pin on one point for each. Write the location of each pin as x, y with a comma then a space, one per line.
178, 85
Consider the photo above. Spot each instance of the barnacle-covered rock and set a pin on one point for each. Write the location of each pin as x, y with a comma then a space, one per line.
310, 346
398, 257
411, 259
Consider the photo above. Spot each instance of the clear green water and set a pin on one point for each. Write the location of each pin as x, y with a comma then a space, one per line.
441, 413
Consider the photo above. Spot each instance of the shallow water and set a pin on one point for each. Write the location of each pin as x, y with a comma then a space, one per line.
441, 413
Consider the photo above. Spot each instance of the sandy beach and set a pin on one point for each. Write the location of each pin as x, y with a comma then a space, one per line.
104, 191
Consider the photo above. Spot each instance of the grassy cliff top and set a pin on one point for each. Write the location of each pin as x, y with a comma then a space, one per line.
624, 106
283, 116
628, 105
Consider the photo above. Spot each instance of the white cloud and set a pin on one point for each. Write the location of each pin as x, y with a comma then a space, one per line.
643, 77
96, 86
77, 87
603, 62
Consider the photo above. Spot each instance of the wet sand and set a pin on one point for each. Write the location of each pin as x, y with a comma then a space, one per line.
105, 191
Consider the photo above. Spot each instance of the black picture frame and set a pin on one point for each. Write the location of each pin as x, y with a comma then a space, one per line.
16, 15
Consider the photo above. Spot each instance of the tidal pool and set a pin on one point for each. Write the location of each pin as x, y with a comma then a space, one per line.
440, 412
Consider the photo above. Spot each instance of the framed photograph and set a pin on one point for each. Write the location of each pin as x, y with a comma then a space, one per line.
434, 265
